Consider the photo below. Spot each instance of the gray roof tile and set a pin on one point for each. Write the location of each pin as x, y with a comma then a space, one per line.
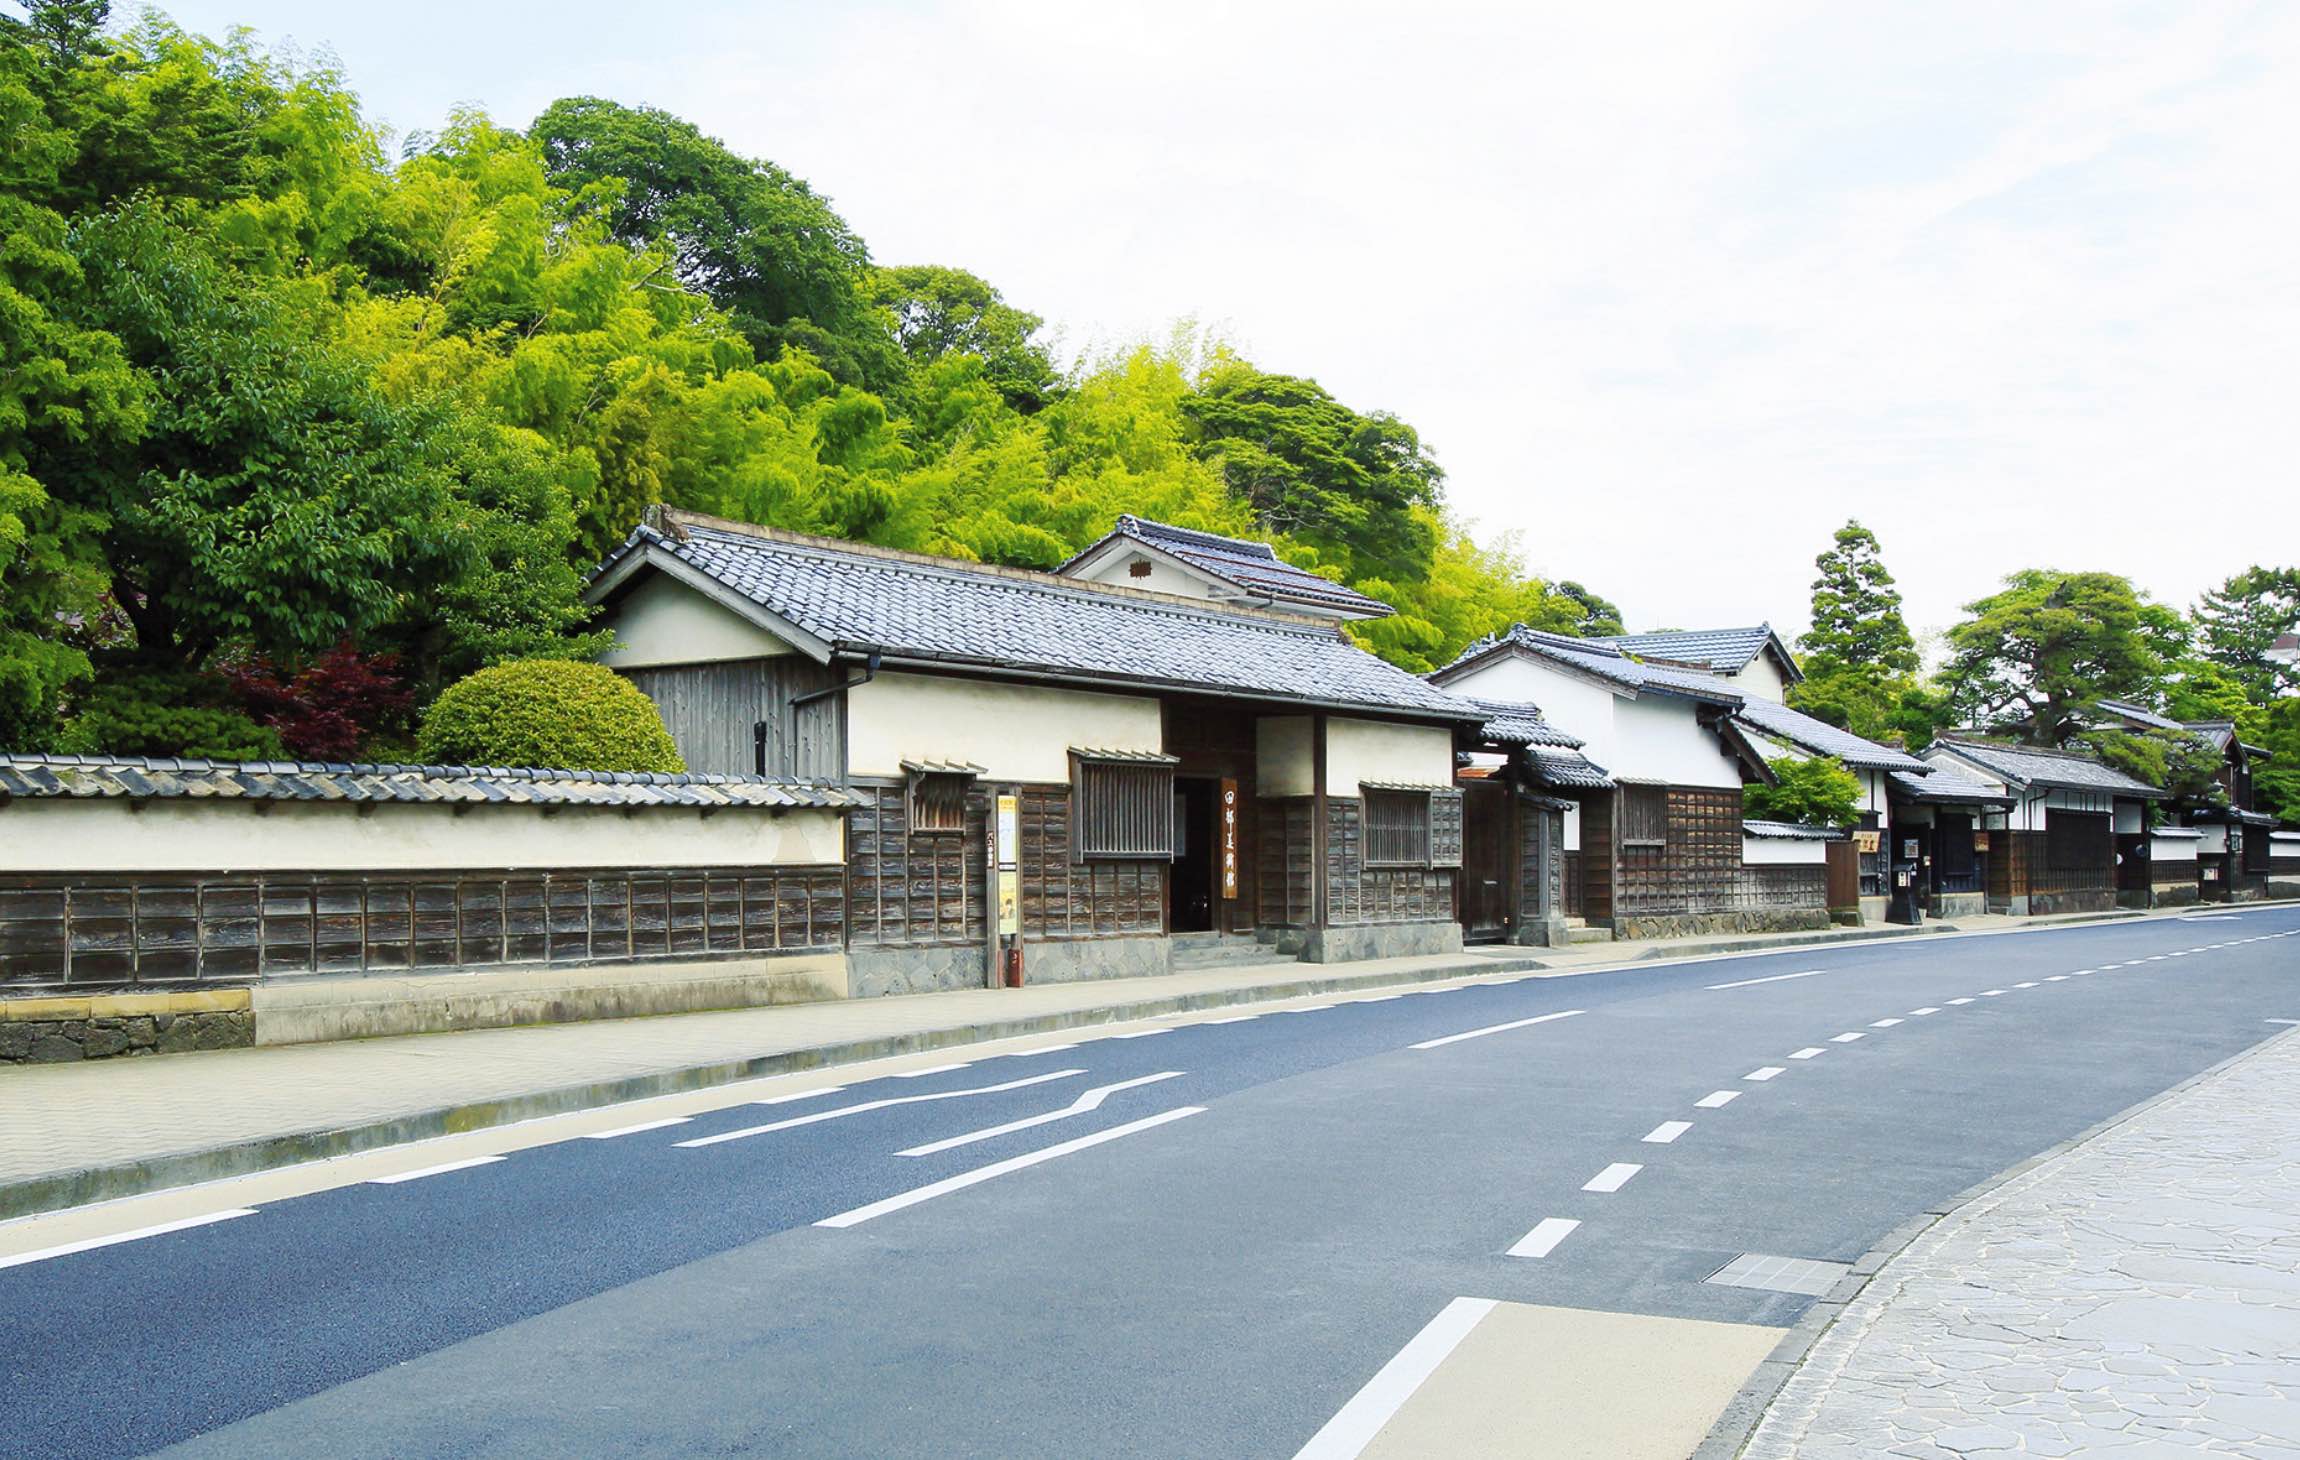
1727, 651
79, 777
1790, 831
1516, 723
1253, 566
1600, 659
2035, 768
1766, 717
1943, 785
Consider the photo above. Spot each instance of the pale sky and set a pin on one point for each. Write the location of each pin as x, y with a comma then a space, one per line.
1670, 290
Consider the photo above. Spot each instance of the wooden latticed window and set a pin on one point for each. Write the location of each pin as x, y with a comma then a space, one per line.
1122, 808
1644, 815
937, 800
1397, 828
2075, 840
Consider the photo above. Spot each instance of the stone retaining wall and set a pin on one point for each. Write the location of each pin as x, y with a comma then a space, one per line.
66, 1030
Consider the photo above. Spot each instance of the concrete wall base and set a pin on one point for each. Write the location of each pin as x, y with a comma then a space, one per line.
1960, 904
2048, 904
1354, 941
1542, 933
1074, 960
2175, 894
872, 971
75, 1027
1692, 925
299, 1011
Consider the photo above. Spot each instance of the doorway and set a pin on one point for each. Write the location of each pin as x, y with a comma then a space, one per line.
1190, 890
1487, 868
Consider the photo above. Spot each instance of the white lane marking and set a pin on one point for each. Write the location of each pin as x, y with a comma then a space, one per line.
1966, 1000
996, 1169
2152, 958
91, 1243
845, 1110
1670, 1130
2272, 1021
1992, 993
632, 1130
2056, 978
1810, 1051
932, 1070
1775, 978
1023, 1054
1716, 1099
2029, 985
1496, 1029
1766, 1073
1927, 1009
1140, 1033
1543, 1239
1347, 1434
440, 1170
1613, 1177
1233, 1019
2081, 972
801, 1095
1883, 1023
1847, 1037
1088, 1101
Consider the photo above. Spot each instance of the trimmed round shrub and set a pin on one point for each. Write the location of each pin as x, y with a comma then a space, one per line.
550, 714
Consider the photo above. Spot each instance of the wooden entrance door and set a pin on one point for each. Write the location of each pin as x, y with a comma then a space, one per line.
1488, 869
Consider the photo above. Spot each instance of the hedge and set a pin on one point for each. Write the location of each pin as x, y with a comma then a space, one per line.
551, 714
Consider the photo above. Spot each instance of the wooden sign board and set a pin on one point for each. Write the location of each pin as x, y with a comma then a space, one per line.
1980, 841
1229, 838
1867, 842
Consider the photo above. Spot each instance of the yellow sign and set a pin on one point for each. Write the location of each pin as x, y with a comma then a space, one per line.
1008, 833
1866, 842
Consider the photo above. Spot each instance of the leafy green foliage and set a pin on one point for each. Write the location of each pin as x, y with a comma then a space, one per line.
1820, 791
2179, 763
553, 714
2032, 657
943, 313
2276, 782
2238, 621
166, 712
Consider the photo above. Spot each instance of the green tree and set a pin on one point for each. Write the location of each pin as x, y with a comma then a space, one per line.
941, 312
1598, 617
755, 240
2276, 781
2238, 621
1857, 622
2033, 657
2177, 762
551, 714
1820, 791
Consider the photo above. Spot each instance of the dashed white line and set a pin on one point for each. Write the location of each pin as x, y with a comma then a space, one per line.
1847, 1037
1023, 1054
975, 1177
1927, 1009
1543, 1239
1496, 1029
1883, 1023
1670, 1130
1717, 1099
1088, 1101
1965, 1000
1744, 983
91, 1243
440, 1170
1810, 1051
632, 1130
1992, 993
1613, 1177
867, 1105
2029, 985
1767, 1073
1347, 1434
2056, 978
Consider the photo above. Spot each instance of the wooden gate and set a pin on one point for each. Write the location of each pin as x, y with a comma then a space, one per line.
1488, 869
1844, 877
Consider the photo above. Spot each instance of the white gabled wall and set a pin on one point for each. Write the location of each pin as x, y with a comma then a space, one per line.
1285, 761
1761, 678
1015, 732
1165, 576
1661, 738
1569, 702
1358, 751
663, 621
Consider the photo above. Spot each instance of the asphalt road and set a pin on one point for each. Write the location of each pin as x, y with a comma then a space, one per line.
1235, 1225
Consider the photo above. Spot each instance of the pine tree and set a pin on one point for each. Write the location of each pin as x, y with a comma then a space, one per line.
1857, 622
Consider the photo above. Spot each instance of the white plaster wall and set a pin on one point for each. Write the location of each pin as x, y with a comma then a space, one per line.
663, 621
2214, 840
1373, 750
1873, 791
1573, 827
2284, 844
1572, 704
1761, 677
1759, 851
1164, 577
337, 836
2172, 848
1015, 732
2131, 818
1659, 738
1284, 761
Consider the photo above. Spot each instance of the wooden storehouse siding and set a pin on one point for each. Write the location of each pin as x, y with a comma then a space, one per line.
1065, 898
1356, 893
1697, 867
1286, 879
158, 930
2029, 873
1600, 869
710, 710
906, 890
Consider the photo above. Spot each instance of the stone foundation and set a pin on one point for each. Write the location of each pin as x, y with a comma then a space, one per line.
2175, 894
1694, 925
872, 971
1073, 960
2046, 904
107, 1026
1352, 942
1948, 905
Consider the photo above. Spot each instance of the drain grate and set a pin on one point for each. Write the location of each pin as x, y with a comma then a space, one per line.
1780, 1274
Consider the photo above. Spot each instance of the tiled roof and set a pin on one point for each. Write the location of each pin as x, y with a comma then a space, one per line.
1514, 723
1765, 717
1598, 658
1790, 831
2029, 767
858, 600
1254, 566
1568, 769
84, 776
2138, 714
1727, 651
2178, 833
1943, 785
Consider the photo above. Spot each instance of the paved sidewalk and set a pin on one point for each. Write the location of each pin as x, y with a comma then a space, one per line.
2135, 1296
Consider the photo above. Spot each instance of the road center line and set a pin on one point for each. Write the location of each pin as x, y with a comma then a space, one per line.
1927, 1009
1089, 1101
1233, 1019
440, 1170
91, 1243
1991, 993
1767, 1073
1496, 1029
1613, 1177
1775, 978
1810, 1051
1965, 1000
1669, 1130
1543, 1239
2056, 978
1883, 1023
981, 1174
2029, 985
1348, 1433
1717, 1099
1847, 1037
845, 1110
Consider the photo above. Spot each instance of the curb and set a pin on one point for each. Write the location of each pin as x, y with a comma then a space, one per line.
134, 1178
1733, 1428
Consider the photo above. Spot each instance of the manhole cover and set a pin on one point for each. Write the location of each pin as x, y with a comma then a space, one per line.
1780, 1274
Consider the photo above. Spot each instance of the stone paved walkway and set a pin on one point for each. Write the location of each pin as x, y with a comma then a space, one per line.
2137, 1296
